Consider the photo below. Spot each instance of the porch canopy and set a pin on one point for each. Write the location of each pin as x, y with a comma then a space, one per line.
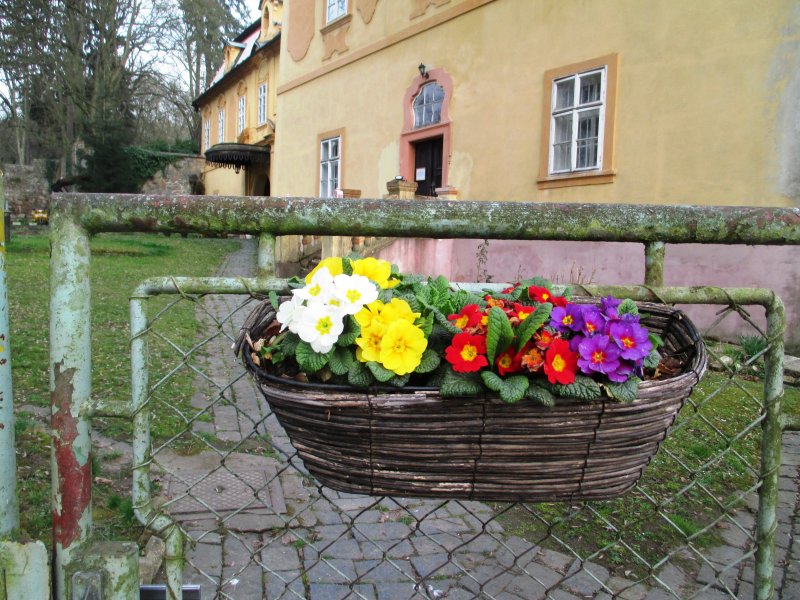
236, 156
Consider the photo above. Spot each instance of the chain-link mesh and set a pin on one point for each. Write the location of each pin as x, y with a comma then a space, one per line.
257, 526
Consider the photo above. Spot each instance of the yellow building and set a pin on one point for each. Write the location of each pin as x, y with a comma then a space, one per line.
547, 100
238, 110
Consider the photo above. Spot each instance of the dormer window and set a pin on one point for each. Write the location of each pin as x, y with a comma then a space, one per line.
428, 105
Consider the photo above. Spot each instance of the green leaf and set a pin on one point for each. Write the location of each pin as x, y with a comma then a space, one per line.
628, 307
425, 324
458, 385
624, 392
655, 339
273, 299
536, 282
351, 331
652, 360
532, 323
499, 333
440, 284
399, 380
442, 320
514, 389
340, 360
511, 390
539, 394
359, 375
309, 361
430, 361
289, 344
492, 380
583, 388
380, 372
296, 282
347, 266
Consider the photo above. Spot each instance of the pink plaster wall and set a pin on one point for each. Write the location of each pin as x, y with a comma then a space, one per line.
773, 267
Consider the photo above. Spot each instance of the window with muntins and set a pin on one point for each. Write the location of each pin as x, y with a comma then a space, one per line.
577, 122
262, 103
428, 105
329, 166
206, 133
241, 116
221, 126
335, 9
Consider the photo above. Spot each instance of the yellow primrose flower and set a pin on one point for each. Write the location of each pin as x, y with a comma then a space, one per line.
402, 347
398, 310
371, 313
333, 264
374, 269
369, 344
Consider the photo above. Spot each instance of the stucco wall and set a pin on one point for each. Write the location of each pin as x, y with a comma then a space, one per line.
701, 90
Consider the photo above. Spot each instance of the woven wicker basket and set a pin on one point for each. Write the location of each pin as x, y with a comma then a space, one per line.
412, 442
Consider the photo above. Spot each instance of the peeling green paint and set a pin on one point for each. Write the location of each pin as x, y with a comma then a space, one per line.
70, 388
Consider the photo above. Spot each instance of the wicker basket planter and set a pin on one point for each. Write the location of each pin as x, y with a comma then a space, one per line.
412, 442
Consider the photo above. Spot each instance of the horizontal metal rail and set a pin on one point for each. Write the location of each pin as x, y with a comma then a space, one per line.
434, 219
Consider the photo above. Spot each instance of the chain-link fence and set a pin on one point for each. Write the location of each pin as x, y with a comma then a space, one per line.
256, 525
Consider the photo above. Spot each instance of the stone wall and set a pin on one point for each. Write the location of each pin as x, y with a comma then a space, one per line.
26, 187
180, 178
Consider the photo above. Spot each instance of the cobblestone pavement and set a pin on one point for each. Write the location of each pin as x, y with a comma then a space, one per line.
304, 541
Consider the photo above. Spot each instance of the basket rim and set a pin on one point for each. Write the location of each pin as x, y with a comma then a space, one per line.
690, 375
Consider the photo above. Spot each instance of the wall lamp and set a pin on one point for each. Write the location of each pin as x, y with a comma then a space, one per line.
423, 70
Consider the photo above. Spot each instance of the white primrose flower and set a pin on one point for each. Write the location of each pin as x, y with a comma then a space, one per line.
289, 312
319, 289
353, 292
320, 325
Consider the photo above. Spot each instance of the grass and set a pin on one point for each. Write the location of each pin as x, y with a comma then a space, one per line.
700, 472
119, 262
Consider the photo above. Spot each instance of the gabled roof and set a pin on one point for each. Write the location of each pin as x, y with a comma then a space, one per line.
249, 39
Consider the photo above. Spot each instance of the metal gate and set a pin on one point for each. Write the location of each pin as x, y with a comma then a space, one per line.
242, 519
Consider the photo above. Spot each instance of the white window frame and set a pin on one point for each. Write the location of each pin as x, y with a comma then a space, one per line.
575, 110
429, 113
262, 103
335, 9
241, 116
206, 133
330, 166
221, 126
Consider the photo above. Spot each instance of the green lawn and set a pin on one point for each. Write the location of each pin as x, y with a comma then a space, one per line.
118, 263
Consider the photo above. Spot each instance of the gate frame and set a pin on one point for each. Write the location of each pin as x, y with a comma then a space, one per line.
75, 216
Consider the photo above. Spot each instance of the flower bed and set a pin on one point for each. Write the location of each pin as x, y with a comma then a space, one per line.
391, 384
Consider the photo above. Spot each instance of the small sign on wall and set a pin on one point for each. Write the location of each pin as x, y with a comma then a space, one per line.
420, 176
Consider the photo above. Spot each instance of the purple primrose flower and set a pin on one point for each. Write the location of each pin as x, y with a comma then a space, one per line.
632, 340
623, 372
609, 306
593, 320
567, 319
598, 354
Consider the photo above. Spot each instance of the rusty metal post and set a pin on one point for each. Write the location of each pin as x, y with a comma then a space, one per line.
9, 505
654, 264
70, 390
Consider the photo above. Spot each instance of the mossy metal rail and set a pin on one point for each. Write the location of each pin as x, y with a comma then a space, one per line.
74, 217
